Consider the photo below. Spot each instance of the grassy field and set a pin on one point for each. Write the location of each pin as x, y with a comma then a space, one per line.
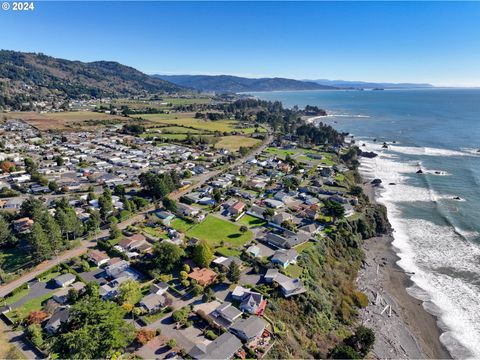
175, 130
12, 259
160, 104
181, 225
63, 120
215, 230
251, 221
226, 251
234, 142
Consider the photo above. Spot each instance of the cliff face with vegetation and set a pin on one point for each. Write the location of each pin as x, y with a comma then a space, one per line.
31, 76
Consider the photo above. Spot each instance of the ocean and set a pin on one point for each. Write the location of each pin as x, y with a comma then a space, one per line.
435, 214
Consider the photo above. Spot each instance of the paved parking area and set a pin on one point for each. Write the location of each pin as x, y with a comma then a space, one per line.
249, 278
96, 275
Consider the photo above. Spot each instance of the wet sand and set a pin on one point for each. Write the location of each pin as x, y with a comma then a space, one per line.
408, 331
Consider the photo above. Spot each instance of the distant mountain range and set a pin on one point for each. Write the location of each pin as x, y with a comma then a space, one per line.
32, 75
26, 77
234, 84
369, 85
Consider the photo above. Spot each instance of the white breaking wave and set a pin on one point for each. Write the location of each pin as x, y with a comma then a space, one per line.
444, 263
349, 116
427, 151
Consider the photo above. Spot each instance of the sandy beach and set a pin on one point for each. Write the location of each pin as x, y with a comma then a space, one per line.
407, 331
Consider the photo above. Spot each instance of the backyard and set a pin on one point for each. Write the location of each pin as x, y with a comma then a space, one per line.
215, 231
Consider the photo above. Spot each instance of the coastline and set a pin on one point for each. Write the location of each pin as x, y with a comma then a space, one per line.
410, 332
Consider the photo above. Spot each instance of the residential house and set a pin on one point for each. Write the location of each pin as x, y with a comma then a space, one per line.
237, 208
225, 262
115, 269
153, 302
248, 329
97, 257
65, 280
159, 288
288, 240
61, 296
203, 276
132, 242
253, 250
274, 204
187, 210
165, 216
22, 225
227, 312
288, 286
284, 257
222, 348
59, 317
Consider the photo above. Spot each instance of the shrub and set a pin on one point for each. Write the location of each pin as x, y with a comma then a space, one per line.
34, 333
361, 300
172, 343
343, 351
35, 317
210, 335
145, 335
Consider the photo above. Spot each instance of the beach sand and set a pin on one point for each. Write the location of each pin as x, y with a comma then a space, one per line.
409, 332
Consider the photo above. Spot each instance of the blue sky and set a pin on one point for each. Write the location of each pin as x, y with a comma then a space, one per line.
436, 42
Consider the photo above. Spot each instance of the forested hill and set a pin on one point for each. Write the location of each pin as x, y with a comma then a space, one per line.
228, 83
32, 76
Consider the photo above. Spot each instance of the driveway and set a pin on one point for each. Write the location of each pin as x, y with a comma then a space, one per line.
37, 289
97, 275
154, 349
248, 277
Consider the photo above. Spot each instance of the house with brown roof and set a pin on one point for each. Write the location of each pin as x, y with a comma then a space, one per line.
237, 208
23, 225
132, 242
203, 276
97, 257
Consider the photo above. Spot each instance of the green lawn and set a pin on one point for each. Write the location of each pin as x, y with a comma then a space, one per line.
148, 319
181, 225
155, 232
33, 304
17, 296
13, 259
234, 142
215, 230
305, 246
227, 252
294, 271
251, 221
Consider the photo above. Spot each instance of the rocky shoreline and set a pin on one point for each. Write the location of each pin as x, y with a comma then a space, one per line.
405, 330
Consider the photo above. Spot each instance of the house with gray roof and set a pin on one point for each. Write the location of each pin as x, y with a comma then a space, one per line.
154, 302
222, 348
284, 257
248, 329
288, 286
227, 312
65, 280
59, 317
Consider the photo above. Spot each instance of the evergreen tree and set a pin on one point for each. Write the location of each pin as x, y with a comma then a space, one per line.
202, 254
6, 236
233, 273
38, 240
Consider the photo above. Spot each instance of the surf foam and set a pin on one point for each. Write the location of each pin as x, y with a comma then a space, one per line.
444, 262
